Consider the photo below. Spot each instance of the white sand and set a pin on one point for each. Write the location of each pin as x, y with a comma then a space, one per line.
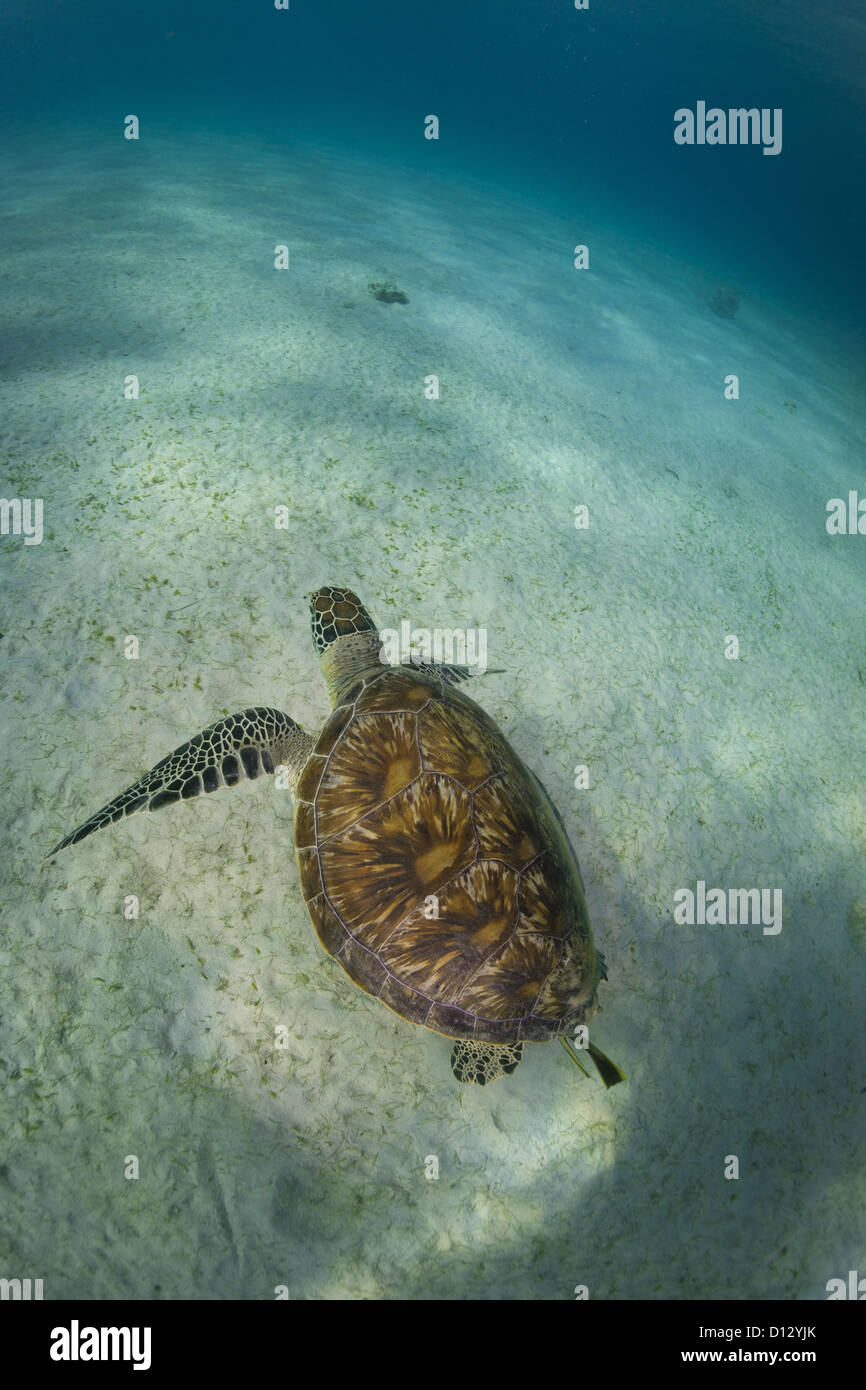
155, 1037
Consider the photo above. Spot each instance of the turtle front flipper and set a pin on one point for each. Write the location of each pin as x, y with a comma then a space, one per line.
482, 1062
453, 675
240, 746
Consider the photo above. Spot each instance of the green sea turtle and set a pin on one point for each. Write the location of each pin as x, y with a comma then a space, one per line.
433, 864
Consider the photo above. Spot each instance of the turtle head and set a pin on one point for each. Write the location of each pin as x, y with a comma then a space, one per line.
337, 613
345, 637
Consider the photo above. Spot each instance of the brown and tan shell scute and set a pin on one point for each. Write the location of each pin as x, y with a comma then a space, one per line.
436, 871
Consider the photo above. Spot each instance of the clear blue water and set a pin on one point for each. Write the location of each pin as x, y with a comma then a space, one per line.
153, 1035
581, 103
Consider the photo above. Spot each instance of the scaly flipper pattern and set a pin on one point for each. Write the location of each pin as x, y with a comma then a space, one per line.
452, 674
477, 1063
240, 746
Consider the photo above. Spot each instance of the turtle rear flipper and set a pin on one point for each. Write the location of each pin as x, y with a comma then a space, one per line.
240, 746
482, 1062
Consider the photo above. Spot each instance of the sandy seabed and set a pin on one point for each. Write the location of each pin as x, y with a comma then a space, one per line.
261, 389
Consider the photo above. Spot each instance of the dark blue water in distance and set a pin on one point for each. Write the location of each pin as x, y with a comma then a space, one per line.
623, 484
577, 104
